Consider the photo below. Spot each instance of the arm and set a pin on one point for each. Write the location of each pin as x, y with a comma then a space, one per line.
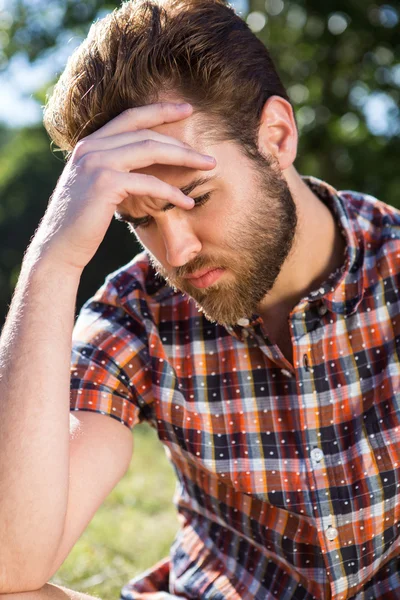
35, 351
44, 501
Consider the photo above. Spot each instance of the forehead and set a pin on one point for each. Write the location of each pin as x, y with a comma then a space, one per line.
190, 131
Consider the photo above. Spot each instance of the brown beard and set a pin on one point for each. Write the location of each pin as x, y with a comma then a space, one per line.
253, 252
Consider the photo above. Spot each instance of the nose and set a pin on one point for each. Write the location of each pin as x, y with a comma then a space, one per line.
180, 241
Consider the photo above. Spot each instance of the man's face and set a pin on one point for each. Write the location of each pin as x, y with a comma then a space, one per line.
243, 228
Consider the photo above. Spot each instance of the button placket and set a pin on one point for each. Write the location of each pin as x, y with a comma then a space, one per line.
316, 473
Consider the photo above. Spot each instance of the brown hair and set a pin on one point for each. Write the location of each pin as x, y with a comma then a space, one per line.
199, 49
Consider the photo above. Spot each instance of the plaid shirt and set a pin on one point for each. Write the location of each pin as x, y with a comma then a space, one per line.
288, 475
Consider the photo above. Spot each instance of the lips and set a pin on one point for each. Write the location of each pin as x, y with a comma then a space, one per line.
207, 277
200, 273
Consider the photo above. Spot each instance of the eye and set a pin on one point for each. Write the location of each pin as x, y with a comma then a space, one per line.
143, 223
202, 199
146, 221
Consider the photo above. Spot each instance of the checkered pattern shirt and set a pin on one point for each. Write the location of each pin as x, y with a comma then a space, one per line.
288, 475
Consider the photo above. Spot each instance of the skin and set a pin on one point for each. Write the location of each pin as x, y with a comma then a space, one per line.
180, 242
41, 528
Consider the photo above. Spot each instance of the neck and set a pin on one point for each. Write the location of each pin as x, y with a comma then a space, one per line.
317, 251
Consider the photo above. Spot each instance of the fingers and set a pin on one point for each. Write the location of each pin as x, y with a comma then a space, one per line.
109, 158
123, 139
144, 154
143, 117
152, 192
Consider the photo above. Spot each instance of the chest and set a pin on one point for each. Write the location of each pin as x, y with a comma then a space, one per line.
230, 409
321, 448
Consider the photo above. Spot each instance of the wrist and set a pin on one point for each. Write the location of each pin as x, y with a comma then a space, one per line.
43, 261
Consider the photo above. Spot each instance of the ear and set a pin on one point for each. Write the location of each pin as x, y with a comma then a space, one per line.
277, 134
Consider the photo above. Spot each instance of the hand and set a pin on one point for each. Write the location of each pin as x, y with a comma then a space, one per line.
98, 177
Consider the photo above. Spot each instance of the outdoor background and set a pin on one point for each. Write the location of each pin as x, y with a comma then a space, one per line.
340, 62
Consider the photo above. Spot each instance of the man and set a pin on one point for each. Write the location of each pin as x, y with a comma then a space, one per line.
266, 355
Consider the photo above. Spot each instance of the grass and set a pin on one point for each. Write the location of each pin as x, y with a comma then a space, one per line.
133, 528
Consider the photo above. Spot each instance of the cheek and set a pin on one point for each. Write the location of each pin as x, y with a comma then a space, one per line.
214, 230
219, 227
215, 219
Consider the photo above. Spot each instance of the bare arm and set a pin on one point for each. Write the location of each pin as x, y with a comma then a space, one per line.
35, 345
35, 353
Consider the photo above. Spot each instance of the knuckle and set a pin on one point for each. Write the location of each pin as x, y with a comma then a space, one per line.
187, 159
194, 156
165, 106
148, 145
102, 178
80, 149
89, 161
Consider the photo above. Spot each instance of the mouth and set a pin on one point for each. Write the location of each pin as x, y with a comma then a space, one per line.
205, 277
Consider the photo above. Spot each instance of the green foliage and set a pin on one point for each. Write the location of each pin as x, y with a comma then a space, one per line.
334, 58
34, 27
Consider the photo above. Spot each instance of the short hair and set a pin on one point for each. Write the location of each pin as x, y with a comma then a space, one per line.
200, 49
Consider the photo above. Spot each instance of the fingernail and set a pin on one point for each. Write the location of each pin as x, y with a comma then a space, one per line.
210, 159
185, 106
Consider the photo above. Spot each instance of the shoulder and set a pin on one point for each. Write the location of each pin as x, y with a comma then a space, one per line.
127, 304
374, 216
132, 288
377, 227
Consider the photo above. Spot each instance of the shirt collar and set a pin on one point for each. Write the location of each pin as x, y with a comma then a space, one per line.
344, 289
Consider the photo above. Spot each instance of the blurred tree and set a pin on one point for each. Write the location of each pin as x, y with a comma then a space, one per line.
34, 27
340, 62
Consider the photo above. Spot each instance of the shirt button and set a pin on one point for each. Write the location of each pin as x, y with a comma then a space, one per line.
322, 310
286, 372
331, 533
317, 454
243, 322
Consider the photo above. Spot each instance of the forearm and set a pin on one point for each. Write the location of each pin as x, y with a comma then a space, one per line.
35, 352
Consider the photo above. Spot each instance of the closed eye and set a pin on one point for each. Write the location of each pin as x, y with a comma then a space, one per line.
143, 222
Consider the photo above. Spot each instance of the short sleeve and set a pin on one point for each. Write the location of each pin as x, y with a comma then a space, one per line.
110, 371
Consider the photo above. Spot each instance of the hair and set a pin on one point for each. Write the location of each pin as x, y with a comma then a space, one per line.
200, 50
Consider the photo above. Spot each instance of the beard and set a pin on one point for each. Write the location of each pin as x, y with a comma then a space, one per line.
253, 251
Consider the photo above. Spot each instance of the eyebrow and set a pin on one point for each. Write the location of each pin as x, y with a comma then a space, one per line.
186, 189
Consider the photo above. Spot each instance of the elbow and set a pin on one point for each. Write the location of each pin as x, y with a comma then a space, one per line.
16, 580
